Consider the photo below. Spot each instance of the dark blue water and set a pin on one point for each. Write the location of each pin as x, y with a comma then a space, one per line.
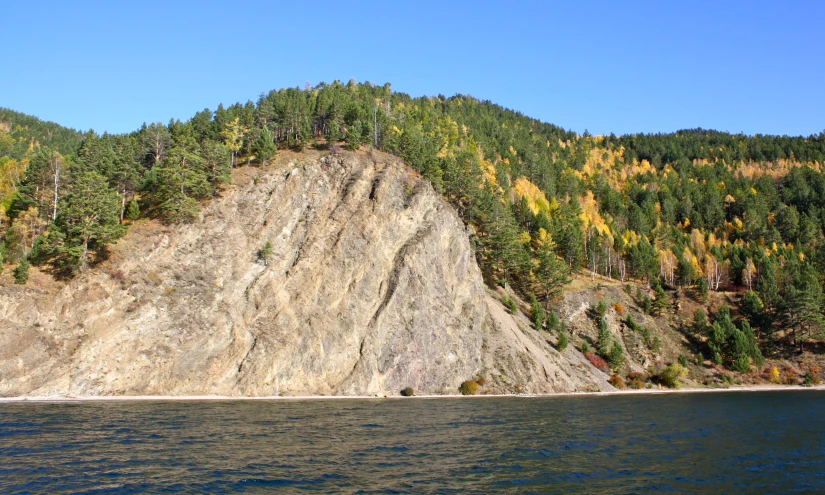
696, 443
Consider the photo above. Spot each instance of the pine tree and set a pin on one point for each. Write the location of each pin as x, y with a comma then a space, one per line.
265, 147
605, 339
551, 273
21, 273
90, 218
133, 213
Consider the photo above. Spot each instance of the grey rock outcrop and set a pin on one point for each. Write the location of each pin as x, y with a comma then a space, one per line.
371, 286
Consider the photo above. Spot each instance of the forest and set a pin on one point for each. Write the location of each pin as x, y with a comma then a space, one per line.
696, 211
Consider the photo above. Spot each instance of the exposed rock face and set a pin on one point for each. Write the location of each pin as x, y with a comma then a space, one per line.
371, 287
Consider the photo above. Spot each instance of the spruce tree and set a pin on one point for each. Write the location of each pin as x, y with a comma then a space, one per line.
21, 273
265, 147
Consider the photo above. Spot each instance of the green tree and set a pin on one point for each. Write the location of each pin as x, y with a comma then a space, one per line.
21, 273
265, 147
537, 312
605, 339
805, 306
90, 218
551, 274
133, 213
661, 302
564, 340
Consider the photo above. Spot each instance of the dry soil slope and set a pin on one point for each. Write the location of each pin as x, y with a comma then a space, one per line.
371, 287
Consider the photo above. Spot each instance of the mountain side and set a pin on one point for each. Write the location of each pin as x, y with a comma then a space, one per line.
322, 274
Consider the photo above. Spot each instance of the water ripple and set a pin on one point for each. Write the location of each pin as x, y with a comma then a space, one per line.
702, 443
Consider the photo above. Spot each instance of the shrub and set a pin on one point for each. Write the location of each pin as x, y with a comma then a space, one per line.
671, 374
468, 387
599, 363
636, 380
265, 253
656, 346
647, 304
700, 321
407, 392
617, 381
700, 359
537, 312
703, 288
21, 273
563, 341
775, 375
616, 356
645, 335
511, 304
742, 363
811, 379
631, 323
481, 381
605, 339
133, 212
620, 310
601, 308
683, 360
585, 347
553, 321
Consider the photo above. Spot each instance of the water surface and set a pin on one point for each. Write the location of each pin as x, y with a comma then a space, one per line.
766, 442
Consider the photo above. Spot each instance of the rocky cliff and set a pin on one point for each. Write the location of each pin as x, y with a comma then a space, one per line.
370, 287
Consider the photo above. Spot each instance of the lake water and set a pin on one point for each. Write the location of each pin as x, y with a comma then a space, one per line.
766, 442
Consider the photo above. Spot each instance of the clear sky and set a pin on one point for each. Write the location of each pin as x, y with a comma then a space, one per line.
749, 66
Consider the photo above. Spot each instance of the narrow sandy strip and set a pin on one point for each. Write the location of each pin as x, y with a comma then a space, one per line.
126, 398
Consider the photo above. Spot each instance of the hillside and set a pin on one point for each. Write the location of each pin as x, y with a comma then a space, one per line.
716, 240
370, 286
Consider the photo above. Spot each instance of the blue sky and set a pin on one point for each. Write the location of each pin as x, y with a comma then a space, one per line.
754, 67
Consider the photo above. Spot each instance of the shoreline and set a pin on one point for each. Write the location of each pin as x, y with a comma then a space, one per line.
213, 398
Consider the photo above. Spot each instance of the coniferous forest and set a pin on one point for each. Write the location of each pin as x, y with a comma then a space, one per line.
696, 211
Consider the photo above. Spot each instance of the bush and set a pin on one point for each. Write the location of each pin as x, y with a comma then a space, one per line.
601, 308
564, 340
742, 363
671, 374
481, 381
585, 347
617, 381
703, 288
636, 380
21, 273
645, 336
599, 363
616, 356
407, 392
265, 253
605, 339
620, 310
811, 379
553, 321
133, 212
656, 346
647, 304
468, 387
683, 360
775, 376
631, 323
511, 304
537, 313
